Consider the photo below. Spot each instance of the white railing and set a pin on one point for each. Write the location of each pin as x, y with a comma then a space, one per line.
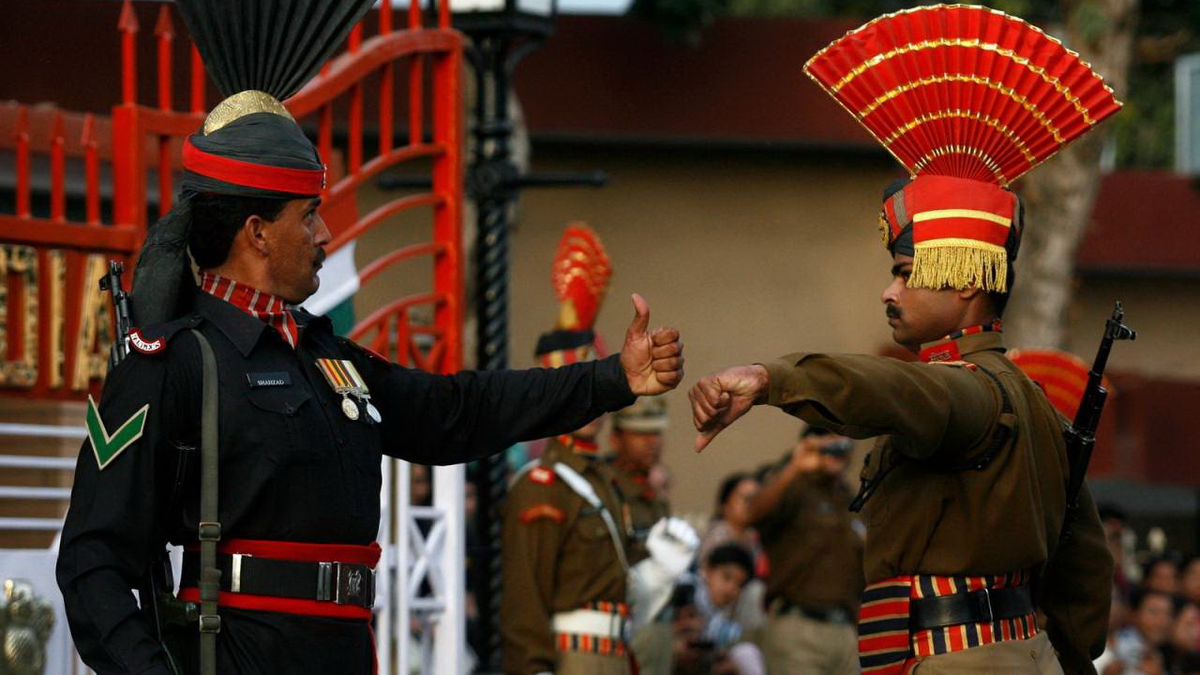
422, 575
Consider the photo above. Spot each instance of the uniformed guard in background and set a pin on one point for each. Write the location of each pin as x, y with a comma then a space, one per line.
965, 496
243, 429
814, 545
637, 443
563, 609
566, 602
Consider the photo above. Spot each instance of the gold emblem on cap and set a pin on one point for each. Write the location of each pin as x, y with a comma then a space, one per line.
241, 104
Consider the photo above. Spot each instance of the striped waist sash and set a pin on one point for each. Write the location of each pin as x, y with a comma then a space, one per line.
886, 645
596, 628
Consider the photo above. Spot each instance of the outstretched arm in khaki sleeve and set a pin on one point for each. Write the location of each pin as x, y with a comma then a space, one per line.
534, 528
1076, 590
924, 407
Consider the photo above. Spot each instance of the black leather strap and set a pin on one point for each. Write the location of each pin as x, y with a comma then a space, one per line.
340, 583
983, 606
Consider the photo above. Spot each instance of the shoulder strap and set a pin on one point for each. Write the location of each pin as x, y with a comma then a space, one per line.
520, 473
210, 527
1005, 428
585, 490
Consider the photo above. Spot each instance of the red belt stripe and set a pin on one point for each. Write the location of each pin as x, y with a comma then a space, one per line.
885, 645
287, 550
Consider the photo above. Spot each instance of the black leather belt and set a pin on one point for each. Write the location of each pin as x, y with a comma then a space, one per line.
339, 583
983, 606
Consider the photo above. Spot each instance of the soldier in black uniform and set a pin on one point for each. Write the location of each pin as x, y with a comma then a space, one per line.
304, 418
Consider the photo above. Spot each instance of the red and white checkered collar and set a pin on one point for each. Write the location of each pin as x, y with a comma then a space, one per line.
270, 309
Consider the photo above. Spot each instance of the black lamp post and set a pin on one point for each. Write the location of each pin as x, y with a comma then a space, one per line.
502, 32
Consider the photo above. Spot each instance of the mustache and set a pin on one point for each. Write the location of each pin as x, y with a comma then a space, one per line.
320, 255
893, 312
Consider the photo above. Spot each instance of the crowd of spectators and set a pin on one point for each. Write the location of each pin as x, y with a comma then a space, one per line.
1154, 624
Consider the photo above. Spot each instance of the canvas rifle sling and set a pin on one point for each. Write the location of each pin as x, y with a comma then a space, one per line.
210, 527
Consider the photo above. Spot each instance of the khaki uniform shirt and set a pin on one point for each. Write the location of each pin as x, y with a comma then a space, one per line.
926, 517
644, 509
558, 556
816, 556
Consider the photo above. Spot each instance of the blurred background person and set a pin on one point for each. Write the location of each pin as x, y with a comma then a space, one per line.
1161, 573
1189, 581
815, 549
1182, 651
1138, 647
1120, 539
706, 636
731, 521
637, 443
731, 525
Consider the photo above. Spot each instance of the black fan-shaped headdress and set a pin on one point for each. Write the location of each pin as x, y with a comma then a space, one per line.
259, 53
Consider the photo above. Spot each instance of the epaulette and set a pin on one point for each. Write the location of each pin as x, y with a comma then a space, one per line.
153, 340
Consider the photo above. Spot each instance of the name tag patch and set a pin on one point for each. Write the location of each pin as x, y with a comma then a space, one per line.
280, 379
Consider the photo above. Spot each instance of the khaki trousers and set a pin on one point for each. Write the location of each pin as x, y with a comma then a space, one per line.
580, 663
653, 647
1015, 657
797, 645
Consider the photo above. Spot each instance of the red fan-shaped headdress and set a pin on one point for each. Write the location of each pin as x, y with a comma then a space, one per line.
1062, 375
968, 99
580, 276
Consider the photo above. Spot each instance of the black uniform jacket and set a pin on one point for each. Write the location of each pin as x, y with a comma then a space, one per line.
293, 467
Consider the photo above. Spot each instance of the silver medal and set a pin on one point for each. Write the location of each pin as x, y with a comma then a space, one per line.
350, 408
374, 412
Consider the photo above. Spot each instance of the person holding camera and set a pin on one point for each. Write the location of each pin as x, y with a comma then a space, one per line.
815, 551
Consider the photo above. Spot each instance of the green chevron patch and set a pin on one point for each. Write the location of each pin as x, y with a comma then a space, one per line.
106, 446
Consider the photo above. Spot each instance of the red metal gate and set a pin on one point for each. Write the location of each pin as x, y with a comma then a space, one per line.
56, 326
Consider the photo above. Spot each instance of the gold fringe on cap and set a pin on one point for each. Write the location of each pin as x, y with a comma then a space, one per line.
959, 264
241, 104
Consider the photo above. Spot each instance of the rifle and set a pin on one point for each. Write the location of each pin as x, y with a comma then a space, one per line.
1081, 434
111, 282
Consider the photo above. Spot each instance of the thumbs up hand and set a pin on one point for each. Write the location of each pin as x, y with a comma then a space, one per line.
653, 361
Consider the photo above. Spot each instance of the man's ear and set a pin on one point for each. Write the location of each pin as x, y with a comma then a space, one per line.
969, 294
255, 231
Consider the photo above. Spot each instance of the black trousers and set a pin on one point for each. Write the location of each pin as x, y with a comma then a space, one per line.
273, 643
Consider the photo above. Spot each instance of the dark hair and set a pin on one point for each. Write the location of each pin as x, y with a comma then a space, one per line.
728, 486
1141, 595
216, 219
1000, 300
1172, 558
814, 430
731, 554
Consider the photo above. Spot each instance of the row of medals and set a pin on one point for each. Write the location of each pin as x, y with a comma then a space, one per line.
353, 398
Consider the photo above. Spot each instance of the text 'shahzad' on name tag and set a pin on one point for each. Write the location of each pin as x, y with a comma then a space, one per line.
279, 379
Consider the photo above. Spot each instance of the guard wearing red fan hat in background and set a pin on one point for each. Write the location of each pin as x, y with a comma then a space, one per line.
244, 429
566, 543
965, 492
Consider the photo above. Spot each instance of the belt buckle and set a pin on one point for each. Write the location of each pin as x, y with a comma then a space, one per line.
346, 584
984, 599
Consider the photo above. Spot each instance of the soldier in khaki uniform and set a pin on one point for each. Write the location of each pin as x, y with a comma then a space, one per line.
815, 555
561, 565
965, 492
567, 577
637, 442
